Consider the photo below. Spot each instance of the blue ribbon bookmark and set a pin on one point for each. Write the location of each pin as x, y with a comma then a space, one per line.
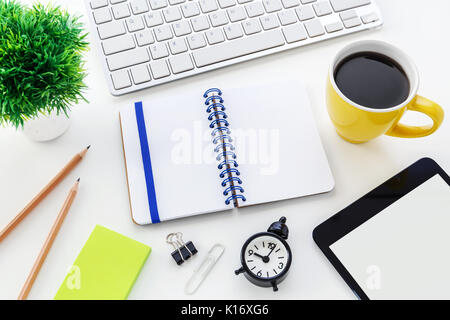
145, 151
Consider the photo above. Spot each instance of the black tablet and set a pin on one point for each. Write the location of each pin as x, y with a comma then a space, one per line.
394, 243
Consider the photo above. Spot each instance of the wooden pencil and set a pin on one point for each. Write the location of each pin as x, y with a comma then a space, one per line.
48, 242
43, 193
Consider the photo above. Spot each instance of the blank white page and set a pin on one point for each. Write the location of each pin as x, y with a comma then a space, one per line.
184, 168
402, 252
278, 147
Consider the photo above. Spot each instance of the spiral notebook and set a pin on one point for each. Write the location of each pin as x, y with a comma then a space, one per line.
202, 152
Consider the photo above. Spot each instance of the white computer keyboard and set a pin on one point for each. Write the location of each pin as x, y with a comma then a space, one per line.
144, 43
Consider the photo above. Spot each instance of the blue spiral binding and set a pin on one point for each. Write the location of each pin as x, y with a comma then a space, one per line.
225, 149
226, 163
216, 113
231, 179
225, 155
212, 90
222, 130
234, 197
213, 98
216, 106
231, 170
222, 137
223, 146
218, 121
232, 188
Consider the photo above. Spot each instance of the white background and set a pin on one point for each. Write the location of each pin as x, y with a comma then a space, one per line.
418, 27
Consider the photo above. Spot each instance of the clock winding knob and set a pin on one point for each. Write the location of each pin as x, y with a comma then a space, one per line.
280, 228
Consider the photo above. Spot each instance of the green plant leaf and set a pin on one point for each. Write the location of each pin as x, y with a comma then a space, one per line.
41, 61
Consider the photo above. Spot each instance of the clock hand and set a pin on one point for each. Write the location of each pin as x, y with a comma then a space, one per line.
264, 259
258, 255
271, 250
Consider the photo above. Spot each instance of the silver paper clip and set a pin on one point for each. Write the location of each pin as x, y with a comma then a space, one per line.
205, 267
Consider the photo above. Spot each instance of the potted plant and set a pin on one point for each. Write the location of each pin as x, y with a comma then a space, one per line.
41, 68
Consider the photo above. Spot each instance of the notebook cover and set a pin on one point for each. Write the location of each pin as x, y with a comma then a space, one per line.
126, 172
106, 268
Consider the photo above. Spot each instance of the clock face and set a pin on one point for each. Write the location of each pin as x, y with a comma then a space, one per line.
266, 257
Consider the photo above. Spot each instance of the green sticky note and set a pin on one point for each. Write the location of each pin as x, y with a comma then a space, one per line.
106, 268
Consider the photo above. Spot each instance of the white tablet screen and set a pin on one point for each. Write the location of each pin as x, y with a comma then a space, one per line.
404, 251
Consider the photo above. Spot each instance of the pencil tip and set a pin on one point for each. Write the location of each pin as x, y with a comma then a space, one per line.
78, 179
88, 147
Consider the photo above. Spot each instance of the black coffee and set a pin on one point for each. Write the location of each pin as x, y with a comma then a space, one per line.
372, 80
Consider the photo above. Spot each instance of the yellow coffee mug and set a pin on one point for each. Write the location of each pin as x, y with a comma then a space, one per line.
359, 124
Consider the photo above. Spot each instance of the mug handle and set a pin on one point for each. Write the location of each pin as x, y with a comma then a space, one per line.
429, 108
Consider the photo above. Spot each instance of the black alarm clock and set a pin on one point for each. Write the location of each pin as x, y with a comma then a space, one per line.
266, 257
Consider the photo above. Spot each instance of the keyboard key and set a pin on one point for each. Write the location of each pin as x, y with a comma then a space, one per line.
111, 29
135, 24
290, 3
294, 33
120, 11
208, 5
251, 26
200, 23
237, 48
322, 8
351, 23
269, 22
347, 15
139, 6
272, 5
121, 79
314, 28
158, 50
102, 15
243, 1
140, 74
116, 1
334, 27
287, 17
127, 59
175, 2
177, 46
181, 63
159, 69
342, 5
144, 38
254, 9
195, 41
163, 33
227, 3
153, 19
368, 18
190, 9
305, 13
95, 4
182, 28
172, 14
214, 36
158, 4
307, 1
118, 44
218, 18
233, 31
236, 14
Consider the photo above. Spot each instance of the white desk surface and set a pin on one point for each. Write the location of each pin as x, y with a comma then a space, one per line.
417, 27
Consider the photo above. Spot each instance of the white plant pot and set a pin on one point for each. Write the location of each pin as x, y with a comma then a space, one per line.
46, 127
